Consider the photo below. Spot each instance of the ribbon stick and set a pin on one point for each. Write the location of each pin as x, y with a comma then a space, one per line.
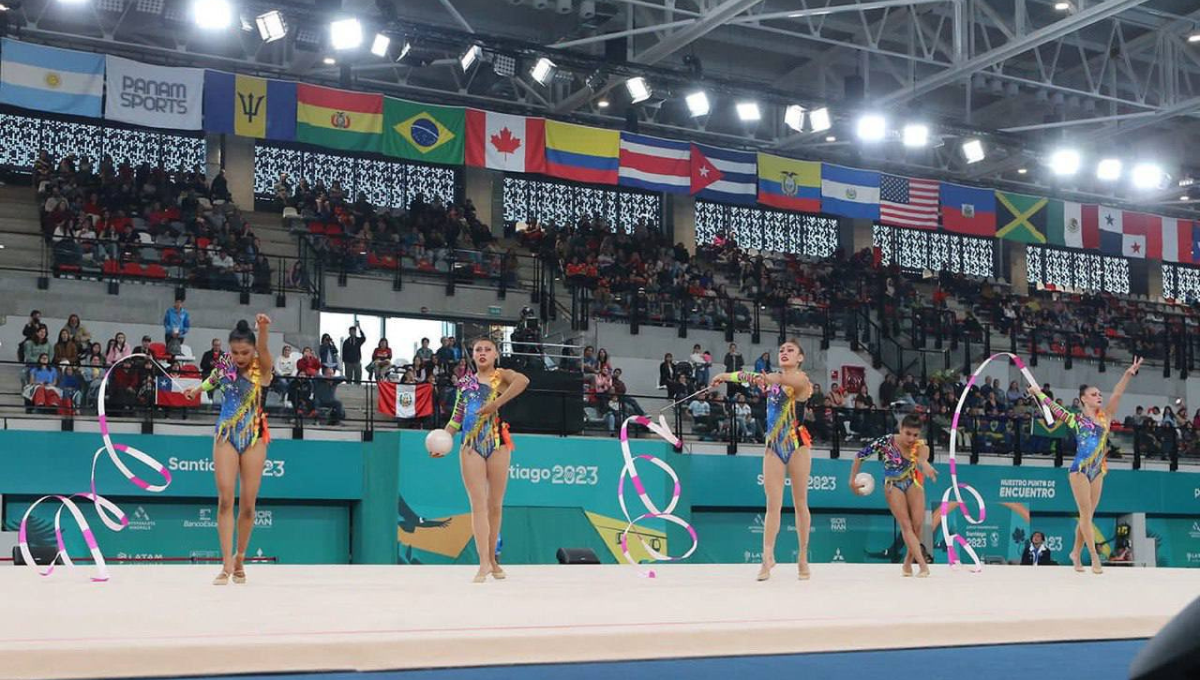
662, 430
956, 487
110, 513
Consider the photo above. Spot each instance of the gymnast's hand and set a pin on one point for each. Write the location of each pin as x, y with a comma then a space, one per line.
717, 380
488, 409
191, 392
262, 320
929, 471
856, 487
1133, 368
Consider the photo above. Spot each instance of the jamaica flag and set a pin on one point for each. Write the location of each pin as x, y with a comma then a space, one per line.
1021, 218
422, 132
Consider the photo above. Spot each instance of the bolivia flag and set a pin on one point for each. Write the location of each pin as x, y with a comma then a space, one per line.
339, 119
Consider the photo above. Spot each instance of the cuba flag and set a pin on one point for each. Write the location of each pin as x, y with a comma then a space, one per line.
249, 107
51, 79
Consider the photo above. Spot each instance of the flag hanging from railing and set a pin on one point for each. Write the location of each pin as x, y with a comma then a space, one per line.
405, 401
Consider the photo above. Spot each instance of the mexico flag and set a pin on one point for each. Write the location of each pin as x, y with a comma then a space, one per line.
500, 141
405, 401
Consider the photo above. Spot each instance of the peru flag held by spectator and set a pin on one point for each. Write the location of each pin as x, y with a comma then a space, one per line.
501, 141
170, 393
724, 175
655, 164
405, 401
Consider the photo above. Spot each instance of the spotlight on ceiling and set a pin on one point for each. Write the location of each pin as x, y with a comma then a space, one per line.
602, 104
820, 120
345, 34
698, 104
748, 112
404, 50
469, 57
542, 70
1108, 169
1022, 171
916, 135
1063, 6
329, 61
830, 138
793, 117
972, 150
639, 89
271, 26
1065, 162
212, 14
1194, 36
871, 127
380, 46
1147, 176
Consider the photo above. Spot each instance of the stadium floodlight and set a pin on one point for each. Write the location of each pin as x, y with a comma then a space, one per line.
404, 50
972, 150
380, 46
1065, 162
470, 57
542, 70
72, 2
820, 119
916, 135
1108, 169
1062, 6
1194, 36
602, 103
698, 104
793, 117
639, 89
871, 127
329, 61
748, 112
271, 25
1147, 176
345, 34
212, 14
830, 138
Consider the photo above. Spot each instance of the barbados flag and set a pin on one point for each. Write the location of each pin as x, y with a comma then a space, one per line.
583, 154
789, 184
51, 79
249, 107
423, 132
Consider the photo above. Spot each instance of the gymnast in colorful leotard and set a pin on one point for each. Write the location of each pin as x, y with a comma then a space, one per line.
787, 449
905, 459
1087, 470
240, 441
486, 449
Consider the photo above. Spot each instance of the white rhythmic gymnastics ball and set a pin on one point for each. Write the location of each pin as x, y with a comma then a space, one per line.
866, 483
439, 441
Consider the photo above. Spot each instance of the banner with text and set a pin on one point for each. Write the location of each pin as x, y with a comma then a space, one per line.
154, 96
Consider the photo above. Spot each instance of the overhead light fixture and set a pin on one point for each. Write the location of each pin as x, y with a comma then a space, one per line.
830, 138
820, 120
1021, 171
345, 34
871, 127
697, 103
271, 26
639, 89
469, 57
542, 70
1184, 197
212, 14
1063, 6
404, 50
793, 117
602, 104
1065, 162
329, 61
1147, 176
246, 25
1108, 169
748, 112
972, 150
380, 46
1194, 36
72, 2
916, 135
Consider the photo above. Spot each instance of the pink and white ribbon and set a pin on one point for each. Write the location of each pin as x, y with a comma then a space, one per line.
956, 486
662, 430
110, 514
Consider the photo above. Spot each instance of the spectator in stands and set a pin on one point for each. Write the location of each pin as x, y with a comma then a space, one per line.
42, 390
146, 346
424, 353
220, 187
300, 391
734, 362
65, 350
588, 364
763, 363
71, 385
1036, 553
446, 354
328, 353
117, 349
79, 332
31, 328
87, 351
701, 364
34, 347
308, 364
381, 358
209, 359
700, 411
667, 377
887, 391
285, 369
837, 398
352, 354
325, 395
743, 415
176, 322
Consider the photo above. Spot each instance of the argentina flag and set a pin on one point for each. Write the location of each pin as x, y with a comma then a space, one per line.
51, 79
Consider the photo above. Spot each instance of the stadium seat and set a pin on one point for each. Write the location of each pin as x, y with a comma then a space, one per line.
159, 351
156, 271
111, 267
132, 269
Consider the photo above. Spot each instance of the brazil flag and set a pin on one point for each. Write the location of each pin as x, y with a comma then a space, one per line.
1058, 430
421, 132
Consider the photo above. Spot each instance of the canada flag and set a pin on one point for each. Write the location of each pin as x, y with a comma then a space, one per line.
500, 141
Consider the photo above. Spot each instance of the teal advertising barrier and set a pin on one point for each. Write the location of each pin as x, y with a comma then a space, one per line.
1177, 540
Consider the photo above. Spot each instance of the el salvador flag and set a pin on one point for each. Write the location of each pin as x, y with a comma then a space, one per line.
849, 192
51, 79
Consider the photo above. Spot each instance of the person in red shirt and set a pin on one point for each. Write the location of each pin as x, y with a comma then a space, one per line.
309, 364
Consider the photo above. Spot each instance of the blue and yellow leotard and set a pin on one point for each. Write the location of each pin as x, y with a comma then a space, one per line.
242, 422
785, 416
486, 434
899, 469
1091, 438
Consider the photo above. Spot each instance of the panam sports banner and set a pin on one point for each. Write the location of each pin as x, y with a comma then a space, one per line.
154, 96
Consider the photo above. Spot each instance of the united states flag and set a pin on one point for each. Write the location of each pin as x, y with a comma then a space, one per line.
906, 202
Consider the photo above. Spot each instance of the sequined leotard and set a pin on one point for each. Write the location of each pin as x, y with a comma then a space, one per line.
899, 469
484, 435
1091, 438
783, 433
242, 422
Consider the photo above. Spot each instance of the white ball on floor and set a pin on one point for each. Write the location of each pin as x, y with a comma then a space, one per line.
439, 441
866, 483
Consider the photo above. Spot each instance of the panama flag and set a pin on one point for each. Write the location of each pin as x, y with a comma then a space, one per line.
170, 392
405, 401
1112, 233
500, 141
655, 164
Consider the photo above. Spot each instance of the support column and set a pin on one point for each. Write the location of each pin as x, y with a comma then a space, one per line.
1018, 267
856, 234
478, 188
1154, 280
681, 221
239, 168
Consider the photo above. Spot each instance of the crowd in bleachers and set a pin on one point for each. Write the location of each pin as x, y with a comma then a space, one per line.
146, 222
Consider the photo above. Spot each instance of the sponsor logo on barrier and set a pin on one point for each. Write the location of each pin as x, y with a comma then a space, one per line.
756, 527
204, 521
1028, 488
837, 524
1195, 532
574, 475
140, 520
815, 482
271, 468
1193, 557
263, 518
837, 555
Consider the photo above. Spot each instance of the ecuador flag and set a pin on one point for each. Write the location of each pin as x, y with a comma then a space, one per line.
422, 132
339, 119
789, 184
